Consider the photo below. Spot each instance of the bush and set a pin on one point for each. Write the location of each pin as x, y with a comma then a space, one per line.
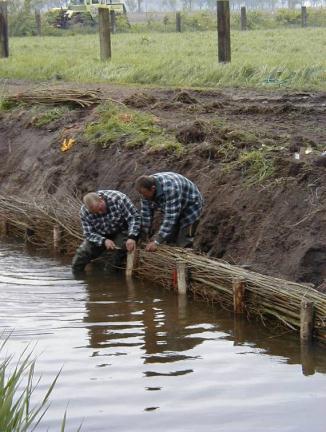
288, 17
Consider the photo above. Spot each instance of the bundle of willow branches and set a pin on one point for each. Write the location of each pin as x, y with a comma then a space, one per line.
34, 219
58, 96
265, 296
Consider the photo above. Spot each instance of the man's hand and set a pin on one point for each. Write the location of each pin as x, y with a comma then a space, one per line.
109, 244
130, 245
151, 247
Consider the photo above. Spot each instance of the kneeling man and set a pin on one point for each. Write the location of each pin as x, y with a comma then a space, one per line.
180, 202
109, 221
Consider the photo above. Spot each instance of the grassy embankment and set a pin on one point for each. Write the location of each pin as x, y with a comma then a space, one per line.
290, 58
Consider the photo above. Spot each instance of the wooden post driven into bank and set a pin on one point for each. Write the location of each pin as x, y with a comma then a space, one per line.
306, 321
223, 31
38, 22
178, 22
57, 238
131, 262
4, 40
243, 18
181, 276
239, 286
105, 35
4, 227
303, 16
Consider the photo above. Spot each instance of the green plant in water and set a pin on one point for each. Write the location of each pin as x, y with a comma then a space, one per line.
16, 388
129, 128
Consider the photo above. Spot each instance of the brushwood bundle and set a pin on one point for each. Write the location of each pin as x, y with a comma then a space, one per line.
266, 297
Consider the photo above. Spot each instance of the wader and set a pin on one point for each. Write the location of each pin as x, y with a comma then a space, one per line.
89, 251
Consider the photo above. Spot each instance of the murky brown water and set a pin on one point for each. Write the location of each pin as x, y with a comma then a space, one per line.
136, 357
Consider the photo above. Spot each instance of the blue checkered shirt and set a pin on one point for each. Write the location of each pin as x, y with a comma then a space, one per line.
121, 215
178, 198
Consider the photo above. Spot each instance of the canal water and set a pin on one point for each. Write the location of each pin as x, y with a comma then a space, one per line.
135, 357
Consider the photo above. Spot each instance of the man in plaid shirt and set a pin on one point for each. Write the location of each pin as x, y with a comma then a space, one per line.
109, 221
178, 199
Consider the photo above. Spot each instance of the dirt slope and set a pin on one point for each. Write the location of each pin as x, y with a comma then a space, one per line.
276, 223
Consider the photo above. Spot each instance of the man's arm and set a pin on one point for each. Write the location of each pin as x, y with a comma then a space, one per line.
172, 211
146, 213
89, 233
132, 217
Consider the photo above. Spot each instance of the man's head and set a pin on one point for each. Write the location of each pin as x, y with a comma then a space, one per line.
94, 203
146, 186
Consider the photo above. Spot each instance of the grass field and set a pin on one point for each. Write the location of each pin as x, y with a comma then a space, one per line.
289, 58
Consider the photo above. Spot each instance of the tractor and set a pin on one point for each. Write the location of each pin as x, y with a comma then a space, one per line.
84, 12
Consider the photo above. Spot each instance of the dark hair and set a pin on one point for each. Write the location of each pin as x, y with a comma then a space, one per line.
144, 182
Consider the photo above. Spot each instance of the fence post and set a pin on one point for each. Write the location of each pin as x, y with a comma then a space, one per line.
105, 35
243, 18
4, 40
303, 16
113, 22
178, 22
131, 262
239, 286
38, 22
223, 31
306, 321
181, 276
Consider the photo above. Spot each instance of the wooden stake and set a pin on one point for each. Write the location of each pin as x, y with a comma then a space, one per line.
56, 238
243, 18
181, 276
178, 22
4, 40
105, 35
3, 227
113, 22
38, 22
239, 286
223, 30
131, 261
308, 360
303, 16
306, 321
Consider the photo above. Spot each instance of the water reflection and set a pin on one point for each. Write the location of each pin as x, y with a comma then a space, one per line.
167, 329
135, 354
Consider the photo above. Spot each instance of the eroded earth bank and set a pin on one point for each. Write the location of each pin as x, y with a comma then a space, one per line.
258, 158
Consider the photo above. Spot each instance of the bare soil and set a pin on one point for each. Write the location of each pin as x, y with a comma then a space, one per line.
275, 226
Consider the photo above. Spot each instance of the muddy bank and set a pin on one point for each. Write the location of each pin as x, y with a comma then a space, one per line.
257, 158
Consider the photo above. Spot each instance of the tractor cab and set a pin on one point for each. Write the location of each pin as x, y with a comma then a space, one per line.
92, 6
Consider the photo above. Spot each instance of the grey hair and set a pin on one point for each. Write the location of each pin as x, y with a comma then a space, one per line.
90, 199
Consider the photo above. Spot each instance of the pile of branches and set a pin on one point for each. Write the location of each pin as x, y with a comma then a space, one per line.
34, 219
57, 96
265, 296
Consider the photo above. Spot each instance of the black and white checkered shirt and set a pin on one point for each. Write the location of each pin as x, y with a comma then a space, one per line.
120, 215
178, 198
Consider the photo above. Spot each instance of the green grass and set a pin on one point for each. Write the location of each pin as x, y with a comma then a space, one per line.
18, 413
132, 129
49, 115
287, 58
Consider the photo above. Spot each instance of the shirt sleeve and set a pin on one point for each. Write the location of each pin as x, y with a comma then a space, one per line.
132, 217
146, 215
89, 233
172, 211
